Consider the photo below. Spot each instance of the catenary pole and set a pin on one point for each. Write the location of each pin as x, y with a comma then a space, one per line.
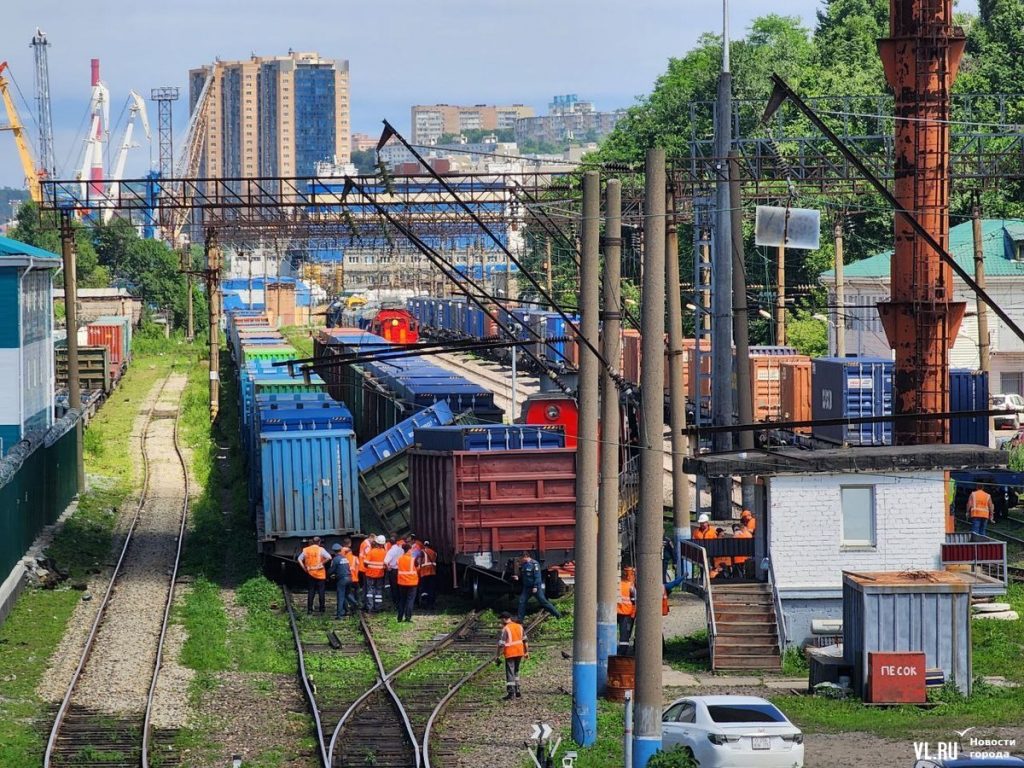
740, 322
67, 250
676, 388
584, 657
984, 362
840, 291
721, 299
212, 289
608, 501
649, 588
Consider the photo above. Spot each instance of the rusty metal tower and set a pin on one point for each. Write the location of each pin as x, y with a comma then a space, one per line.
921, 57
165, 98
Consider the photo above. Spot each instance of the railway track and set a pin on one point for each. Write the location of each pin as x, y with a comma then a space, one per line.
387, 718
105, 718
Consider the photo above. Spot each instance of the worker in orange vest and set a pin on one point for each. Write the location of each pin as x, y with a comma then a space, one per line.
352, 594
739, 561
428, 575
979, 509
747, 520
512, 646
373, 570
364, 548
704, 531
626, 609
407, 579
313, 560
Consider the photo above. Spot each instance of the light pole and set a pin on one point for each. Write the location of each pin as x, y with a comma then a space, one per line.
514, 328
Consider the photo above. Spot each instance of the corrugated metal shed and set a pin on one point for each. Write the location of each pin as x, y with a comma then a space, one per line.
927, 611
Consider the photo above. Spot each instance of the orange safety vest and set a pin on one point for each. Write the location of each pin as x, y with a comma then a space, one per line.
353, 565
428, 567
373, 563
512, 643
979, 504
750, 523
625, 606
364, 549
664, 601
705, 534
742, 533
407, 576
313, 563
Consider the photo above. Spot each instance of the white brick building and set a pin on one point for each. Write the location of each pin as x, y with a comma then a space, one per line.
854, 509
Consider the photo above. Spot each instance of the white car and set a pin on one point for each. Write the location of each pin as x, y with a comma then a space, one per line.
1014, 407
732, 732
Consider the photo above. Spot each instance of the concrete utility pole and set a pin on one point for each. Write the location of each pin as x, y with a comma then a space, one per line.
186, 264
984, 362
608, 501
649, 588
676, 389
721, 343
740, 321
584, 645
548, 268
67, 251
780, 297
840, 292
212, 294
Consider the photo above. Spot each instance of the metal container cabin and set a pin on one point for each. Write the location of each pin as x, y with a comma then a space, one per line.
968, 391
483, 508
401, 436
795, 392
93, 367
850, 387
309, 485
268, 353
491, 437
890, 611
384, 487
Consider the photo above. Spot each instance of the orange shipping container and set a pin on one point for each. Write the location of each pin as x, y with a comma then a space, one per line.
795, 391
690, 375
632, 358
765, 384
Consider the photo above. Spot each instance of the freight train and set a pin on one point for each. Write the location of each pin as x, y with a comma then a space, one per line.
396, 325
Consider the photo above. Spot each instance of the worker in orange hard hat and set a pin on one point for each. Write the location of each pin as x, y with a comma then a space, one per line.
739, 561
747, 520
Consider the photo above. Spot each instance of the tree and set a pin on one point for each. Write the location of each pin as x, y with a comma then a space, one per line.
365, 161
41, 231
808, 334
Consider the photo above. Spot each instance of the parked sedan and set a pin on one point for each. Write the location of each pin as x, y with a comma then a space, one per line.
1014, 407
733, 732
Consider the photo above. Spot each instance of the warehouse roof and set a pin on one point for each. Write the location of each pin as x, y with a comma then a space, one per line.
14, 253
790, 461
1002, 241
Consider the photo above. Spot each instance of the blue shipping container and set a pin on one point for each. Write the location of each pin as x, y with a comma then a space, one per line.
309, 483
496, 437
400, 436
850, 387
968, 391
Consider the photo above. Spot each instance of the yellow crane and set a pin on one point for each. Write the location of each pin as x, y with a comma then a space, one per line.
33, 174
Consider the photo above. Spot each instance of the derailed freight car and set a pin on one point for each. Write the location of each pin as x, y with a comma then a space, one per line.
482, 509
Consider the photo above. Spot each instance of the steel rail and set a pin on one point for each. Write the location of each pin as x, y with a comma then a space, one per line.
470, 618
442, 705
151, 698
101, 611
386, 680
307, 688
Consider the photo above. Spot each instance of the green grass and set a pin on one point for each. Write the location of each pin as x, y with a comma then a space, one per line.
298, 336
207, 624
263, 642
794, 663
688, 653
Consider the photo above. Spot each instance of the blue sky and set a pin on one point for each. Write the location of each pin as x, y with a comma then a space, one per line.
401, 52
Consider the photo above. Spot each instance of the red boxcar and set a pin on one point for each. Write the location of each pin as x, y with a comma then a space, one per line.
481, 509
111, 337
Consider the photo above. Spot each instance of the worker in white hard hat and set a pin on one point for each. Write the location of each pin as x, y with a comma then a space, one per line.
704, 531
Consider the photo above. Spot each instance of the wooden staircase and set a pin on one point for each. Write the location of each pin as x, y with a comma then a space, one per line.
748, 633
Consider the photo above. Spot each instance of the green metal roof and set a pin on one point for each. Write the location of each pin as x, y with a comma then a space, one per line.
17, 253
998, 238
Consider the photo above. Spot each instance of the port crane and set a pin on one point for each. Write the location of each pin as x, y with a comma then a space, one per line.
136, 109
34, 174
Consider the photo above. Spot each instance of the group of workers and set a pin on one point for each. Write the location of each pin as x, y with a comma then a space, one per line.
734, 565
625, 608
405, 568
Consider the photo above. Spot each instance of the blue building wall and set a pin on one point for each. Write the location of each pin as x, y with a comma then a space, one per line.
314, 116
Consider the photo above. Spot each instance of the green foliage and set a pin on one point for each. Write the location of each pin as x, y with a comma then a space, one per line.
689, 653
207, 625
677, 757
1017, 458
365, 161
38, 229
808, 334
794, 663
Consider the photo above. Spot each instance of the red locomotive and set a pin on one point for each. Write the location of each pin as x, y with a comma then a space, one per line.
396, 325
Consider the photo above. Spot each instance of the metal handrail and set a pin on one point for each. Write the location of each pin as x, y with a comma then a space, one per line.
780, 617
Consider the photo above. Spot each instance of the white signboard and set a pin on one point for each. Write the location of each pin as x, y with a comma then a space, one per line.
791, 227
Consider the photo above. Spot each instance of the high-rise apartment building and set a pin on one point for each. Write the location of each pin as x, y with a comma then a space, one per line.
273, 115
430, 123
